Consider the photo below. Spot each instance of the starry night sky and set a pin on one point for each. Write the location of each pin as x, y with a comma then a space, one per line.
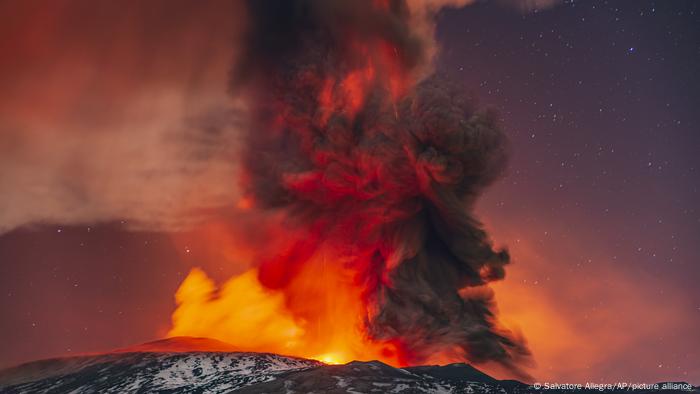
600, 100
599, 208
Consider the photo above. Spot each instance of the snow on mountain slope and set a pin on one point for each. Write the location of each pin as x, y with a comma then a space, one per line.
210, 372
198, 365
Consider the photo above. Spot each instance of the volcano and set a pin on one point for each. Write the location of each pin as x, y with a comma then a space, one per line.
201, 365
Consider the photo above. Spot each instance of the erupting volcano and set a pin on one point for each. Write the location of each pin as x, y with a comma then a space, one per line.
361, 170
329, 195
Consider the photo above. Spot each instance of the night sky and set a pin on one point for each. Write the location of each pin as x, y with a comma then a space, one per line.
599, 206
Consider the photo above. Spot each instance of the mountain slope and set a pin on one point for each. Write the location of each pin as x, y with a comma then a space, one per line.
194, 365
211, 372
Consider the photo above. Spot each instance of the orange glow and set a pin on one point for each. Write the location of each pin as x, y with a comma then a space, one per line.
381, 67
242, 310
354, 86
245, 203
319, 315
577, 320
331, 358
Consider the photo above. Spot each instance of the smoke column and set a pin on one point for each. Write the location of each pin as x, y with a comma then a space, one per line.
376, 165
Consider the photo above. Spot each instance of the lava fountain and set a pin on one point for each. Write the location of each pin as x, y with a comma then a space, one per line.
362, 170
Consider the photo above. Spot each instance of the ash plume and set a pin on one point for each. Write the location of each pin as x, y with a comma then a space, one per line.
370, 156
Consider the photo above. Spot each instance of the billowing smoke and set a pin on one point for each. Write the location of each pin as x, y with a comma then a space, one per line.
120, 111
371, 158
116, 111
